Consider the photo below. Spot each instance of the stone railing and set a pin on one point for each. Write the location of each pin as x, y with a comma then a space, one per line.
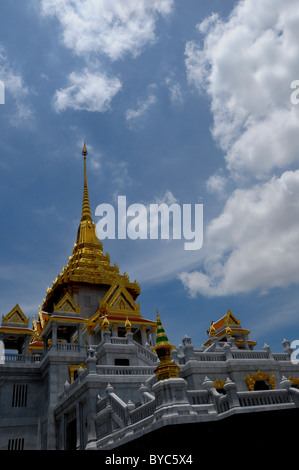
209, 356
199, 397
281, 356
68, 388
102, 403
145, 353
117, 340
125, 370
143, 411
264, 397
68, 347
119, 408
247, 354
134, 421
222, 404
8, 358
226, 351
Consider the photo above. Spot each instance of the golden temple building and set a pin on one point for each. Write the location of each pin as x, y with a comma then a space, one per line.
92, 373
90, 289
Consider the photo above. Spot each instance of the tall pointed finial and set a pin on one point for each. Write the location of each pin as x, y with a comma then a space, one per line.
87, 229
84, 151
86, 214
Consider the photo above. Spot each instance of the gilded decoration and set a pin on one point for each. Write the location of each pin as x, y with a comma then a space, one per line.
67, 305
230, 319
15, 317
128, 325
105, 324
294, 381
252, 378
218, 383
228, 331
73, 371
167, 369
212, 330
118, 300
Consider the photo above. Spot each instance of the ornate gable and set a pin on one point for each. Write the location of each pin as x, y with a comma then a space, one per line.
230, 319
66, 305
118, 299
15, 317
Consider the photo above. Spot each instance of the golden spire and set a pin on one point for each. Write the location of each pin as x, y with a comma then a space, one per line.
87, 228
86, 214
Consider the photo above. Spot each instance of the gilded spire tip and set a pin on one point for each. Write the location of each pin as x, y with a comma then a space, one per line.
86, 214
84, 151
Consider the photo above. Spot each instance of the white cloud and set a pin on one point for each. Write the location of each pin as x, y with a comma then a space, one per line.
107, 28
246, 66
94, 156
87, 91
254, 243
168, 198
15, 87
113, 28
142, 108
175, 90
216, 184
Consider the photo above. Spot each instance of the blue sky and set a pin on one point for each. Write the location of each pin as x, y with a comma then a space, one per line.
177, 100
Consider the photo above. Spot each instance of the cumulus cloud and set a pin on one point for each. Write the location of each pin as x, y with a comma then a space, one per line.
15, 87
87, 91
113, 28
254, 243
92, 30
216, 184
246, 66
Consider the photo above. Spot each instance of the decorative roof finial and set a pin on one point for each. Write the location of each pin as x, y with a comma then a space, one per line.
105, 324
86, 214
84, 151
128, 326
212, 330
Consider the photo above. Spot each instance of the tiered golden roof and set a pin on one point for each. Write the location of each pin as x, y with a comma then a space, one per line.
87, 264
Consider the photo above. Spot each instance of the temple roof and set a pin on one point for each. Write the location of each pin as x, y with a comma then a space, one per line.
87, 264
228, 325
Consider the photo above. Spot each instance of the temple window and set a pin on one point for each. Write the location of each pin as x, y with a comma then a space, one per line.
121, 362
19, 395
16, 444
261, 385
